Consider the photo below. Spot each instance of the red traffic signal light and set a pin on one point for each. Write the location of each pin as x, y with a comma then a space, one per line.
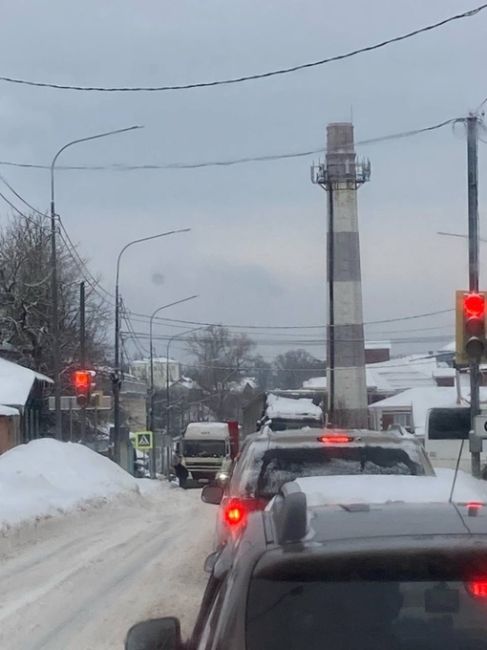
471, 341
474, 305
82, 383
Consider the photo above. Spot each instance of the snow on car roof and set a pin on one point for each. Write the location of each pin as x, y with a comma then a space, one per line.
379, 489
289, 408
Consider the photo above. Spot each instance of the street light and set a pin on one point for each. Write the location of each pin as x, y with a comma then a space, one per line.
151, 351
116, 379
54, 288
180, 335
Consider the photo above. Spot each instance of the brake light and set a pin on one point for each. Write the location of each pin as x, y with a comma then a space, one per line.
335, 439
477, 588
473, 508
234, 513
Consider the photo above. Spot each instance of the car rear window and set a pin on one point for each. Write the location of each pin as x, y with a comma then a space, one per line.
365, 615
263, 471
279, 466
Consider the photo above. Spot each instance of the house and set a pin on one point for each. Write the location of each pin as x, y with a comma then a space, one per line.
22, 400
388, 378
161, 366
409, 407
10, 434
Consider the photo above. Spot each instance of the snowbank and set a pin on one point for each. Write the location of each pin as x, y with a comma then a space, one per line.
332, 490
45, 478
288, 408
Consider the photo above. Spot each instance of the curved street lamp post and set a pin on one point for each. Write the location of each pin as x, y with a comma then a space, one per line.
152, 392
116, 378
56, 357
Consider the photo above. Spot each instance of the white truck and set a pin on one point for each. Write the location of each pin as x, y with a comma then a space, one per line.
204, 447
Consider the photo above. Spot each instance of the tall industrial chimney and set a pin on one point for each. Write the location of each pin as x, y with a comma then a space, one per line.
341, 176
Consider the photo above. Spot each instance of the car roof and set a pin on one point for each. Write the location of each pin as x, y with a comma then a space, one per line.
393, 520
309, 435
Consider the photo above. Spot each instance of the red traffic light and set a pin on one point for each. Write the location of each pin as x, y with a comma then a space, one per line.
474, 305
82, 381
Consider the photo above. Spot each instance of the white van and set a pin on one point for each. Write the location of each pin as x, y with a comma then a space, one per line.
446, 427
204, 447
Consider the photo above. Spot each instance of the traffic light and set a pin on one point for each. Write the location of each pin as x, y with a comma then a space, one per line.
82, 382
471, 342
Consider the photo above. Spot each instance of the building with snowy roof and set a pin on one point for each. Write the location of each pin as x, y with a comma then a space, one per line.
22, 396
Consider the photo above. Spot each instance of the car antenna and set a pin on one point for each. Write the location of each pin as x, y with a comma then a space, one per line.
450, 500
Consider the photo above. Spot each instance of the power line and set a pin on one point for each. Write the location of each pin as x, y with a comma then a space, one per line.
122, 167
298, 327
19, 212
250, 77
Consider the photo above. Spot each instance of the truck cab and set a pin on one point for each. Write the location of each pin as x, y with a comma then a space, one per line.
204, 447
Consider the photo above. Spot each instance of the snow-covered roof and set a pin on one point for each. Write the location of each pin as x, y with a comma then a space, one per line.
442, 372
146, 362
16, 383
378, 345
8, 411
286, 407
451, 347
393, 375
420, 400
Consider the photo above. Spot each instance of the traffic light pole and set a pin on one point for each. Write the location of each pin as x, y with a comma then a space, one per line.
82, 352
473, 265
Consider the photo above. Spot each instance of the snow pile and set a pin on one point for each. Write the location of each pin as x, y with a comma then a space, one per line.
288, 408
45, 478
332, 490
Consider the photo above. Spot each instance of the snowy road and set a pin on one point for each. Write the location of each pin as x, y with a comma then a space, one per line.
88, 577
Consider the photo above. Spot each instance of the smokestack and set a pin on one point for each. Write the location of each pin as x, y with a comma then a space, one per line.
341, 176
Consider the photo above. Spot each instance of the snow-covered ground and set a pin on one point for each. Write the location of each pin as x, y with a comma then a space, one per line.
112, 551
48, 478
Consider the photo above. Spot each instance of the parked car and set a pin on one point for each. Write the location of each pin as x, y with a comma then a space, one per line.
269, 460
389, 576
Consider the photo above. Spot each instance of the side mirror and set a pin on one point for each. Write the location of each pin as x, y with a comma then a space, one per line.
212, 494
156, 634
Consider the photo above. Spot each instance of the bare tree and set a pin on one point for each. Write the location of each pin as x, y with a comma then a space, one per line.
25, 298
295, 366
222, 359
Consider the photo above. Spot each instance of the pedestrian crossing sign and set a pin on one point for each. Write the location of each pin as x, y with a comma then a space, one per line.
143, 440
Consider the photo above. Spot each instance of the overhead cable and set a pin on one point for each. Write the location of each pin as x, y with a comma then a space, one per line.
122, 167
250, 77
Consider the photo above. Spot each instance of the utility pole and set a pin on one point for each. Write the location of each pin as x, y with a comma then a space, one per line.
82, 352
473, 265
55, 319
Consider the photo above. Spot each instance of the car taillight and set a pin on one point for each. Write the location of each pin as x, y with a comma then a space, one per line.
335, 439
477, 588
235, 510
234, 513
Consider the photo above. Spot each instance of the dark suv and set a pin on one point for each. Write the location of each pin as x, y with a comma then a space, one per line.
342, 577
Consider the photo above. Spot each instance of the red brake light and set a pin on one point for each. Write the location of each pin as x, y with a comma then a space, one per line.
474, 305
335, 439
477, 588
234, 513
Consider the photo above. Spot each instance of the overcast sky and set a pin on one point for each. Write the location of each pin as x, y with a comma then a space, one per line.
256, 251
